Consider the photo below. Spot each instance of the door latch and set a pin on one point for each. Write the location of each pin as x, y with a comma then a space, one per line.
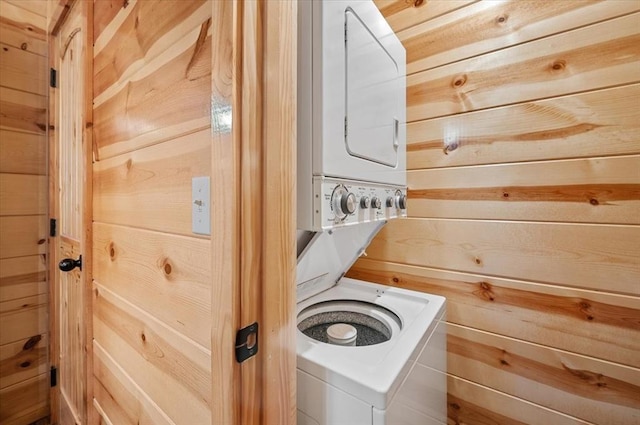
247, 342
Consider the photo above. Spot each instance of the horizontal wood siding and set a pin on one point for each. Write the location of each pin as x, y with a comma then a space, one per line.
524, 204
152, 288
24, 335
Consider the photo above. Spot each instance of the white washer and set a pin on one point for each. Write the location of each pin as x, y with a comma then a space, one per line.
398, 382
351, 116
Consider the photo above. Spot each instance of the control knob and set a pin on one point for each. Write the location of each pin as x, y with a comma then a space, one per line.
401, 201
364, 202
376, 203
348, 203
390, 202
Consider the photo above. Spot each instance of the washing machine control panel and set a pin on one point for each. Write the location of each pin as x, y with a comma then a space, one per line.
343, 202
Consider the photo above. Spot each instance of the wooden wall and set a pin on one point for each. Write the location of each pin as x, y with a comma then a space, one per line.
152, 275
524, 203
24, 379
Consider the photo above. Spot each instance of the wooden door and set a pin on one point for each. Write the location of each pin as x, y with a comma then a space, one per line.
71, 150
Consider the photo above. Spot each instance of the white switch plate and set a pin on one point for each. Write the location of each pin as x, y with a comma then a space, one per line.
201, 205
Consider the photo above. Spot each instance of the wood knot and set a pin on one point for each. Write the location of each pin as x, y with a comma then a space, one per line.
395, 280
32, 342
459, 81
29, 28
6, 49
129, 164
477, 261
455, 406
25, 364
594, 201
450, 148
558, 65
505, 194
500, 20
112, 251
41, 241
143, 337
503, 362
167, 268
418, 3
24, 46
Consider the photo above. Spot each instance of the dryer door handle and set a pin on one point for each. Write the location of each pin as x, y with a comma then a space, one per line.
396, 127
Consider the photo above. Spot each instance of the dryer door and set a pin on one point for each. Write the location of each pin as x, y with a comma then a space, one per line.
372, 95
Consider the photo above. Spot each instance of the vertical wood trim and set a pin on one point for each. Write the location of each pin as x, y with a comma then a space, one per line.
225, 220
91, 415
52, 276
278, 293
251, 195
253, 240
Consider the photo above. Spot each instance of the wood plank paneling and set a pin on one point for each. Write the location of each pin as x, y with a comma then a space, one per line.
597, 324
584, 256
545, 312
151, 187
173, 371
25, 402
23, 70
586, 388
22, 277
23, 18
22, 40
38, 7
473, 404
24, 359
153, 270
121, 401
23, 320
172, 20
22, 153
23, 235
478, 28
402, 14
24, 362
23, 194
594, 190
596, 56
168, 101
152, 276
603, 122
22, 111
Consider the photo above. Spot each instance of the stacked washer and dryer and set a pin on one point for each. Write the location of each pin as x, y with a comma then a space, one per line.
366, 353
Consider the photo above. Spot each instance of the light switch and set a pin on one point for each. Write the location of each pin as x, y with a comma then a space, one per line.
201, 205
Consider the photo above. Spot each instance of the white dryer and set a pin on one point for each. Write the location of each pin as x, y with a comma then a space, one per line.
351, 116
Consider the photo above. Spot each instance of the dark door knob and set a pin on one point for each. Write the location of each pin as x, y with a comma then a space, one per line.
69, 264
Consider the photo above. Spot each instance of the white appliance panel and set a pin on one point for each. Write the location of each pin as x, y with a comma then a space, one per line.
373, 96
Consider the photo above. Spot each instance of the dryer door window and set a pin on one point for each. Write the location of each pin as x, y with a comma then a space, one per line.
372, 95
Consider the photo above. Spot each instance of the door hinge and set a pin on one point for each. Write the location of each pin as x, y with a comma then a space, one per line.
247, 342
54, 376
53, 77
53, 227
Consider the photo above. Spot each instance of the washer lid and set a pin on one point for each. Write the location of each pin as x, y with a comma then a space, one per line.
329, 255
